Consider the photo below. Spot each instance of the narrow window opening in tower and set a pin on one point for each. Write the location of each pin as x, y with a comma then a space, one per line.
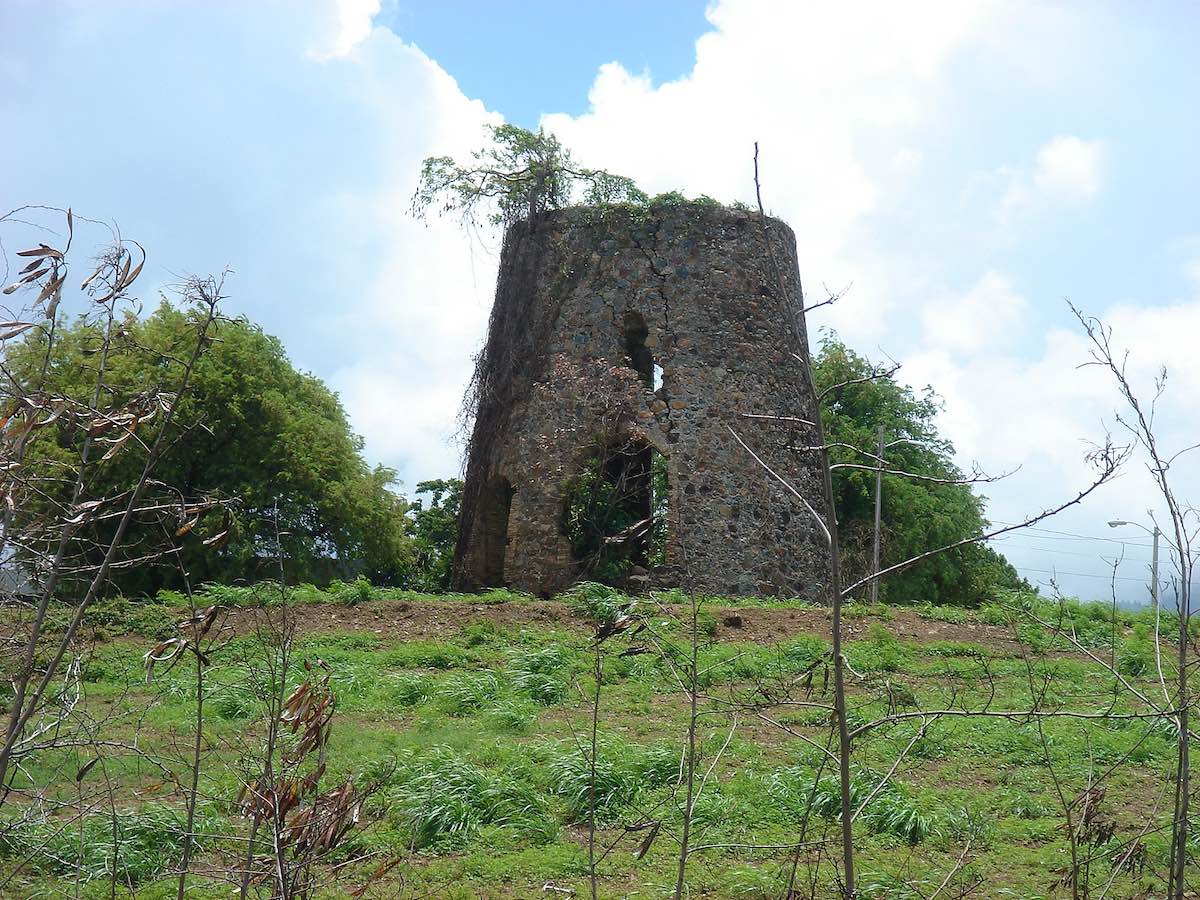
495, 506
641, 359
615, 511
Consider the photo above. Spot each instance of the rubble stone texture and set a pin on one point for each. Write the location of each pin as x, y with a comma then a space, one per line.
589, 302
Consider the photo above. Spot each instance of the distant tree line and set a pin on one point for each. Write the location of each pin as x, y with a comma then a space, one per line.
275, 439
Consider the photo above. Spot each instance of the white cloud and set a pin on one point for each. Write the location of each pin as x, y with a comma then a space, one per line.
819, 87
353, 23
1066, 170
1042, 410
907, 161
1043, 403
1069, 167
426, 286
987, 315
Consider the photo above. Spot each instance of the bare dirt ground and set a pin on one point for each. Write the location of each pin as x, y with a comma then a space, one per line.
408, 620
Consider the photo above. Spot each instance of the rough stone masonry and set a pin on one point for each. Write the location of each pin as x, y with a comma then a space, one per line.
619, 335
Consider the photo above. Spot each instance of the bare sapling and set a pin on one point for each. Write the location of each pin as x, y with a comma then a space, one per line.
1106, 460
1138, 419
295, 819
691, 688
199, 635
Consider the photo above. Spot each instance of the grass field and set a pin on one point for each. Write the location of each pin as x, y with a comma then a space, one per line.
473, 716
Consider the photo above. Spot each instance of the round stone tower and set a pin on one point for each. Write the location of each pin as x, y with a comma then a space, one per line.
624, 350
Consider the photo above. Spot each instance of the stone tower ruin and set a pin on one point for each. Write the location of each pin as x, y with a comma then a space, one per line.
623, 347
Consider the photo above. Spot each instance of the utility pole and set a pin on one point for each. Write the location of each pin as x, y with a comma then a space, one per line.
878, 508
1156, 534
1154, 570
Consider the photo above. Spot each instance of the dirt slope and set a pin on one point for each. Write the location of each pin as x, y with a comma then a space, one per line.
407, 620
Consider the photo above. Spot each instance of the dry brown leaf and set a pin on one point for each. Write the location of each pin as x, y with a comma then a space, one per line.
163, 651
218, 540
12, 329
117, 445
187, 527
649, 840
41, 250
107, 423
49, 288
137, 270
82, 511
121, 279
52, 306
92, 277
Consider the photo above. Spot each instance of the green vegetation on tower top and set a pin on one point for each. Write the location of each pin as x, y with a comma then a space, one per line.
520, 174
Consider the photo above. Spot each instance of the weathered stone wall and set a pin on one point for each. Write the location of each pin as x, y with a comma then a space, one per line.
558, 377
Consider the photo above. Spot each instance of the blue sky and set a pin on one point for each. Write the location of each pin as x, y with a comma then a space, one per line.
966, 167
528, 58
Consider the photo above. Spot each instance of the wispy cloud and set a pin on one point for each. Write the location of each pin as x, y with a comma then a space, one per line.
1067, 169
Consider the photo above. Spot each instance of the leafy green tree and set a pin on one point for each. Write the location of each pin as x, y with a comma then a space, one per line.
434, 530
917, 515
518, 175
272, 437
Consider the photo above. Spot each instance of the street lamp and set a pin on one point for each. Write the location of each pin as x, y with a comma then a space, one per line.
1117, 523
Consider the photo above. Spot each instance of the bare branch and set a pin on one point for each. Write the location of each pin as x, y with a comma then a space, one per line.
1109, 460
831, 297
783, 481
878, 374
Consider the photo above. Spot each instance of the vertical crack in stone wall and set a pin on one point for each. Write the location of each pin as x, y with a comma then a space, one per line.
556, 381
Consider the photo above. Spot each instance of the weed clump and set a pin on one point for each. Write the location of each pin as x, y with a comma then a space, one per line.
131, 848
1136, 656
890, 811
539, 674
596, 602
623, 773
467, 692
443, 800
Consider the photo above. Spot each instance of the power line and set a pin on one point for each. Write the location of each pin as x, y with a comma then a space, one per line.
1080, 574
1059, 552
1073, 536
1052, 535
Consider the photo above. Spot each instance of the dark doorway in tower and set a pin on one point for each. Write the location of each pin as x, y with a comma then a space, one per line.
615, 511
494, 505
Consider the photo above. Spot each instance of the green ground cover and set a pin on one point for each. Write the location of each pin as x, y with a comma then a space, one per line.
477, 733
